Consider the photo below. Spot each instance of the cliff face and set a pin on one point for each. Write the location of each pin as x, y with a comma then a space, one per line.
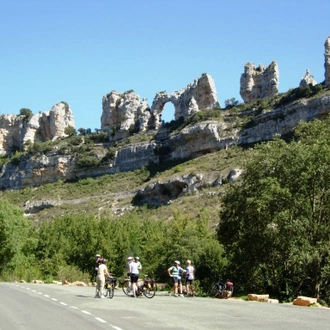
125, 113
190, 142
15, 130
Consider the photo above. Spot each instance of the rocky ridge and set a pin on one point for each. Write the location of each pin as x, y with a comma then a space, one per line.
126, 113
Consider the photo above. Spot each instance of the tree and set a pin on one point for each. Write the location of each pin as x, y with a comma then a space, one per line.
69, 130
17, 242
27, 113
275, 225
230, 103
82, 131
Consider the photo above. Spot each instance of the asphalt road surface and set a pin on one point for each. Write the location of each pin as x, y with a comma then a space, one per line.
49, 306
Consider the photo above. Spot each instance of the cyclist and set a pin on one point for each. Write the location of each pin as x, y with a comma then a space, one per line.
98, 261
190, 276
134, 274
100, 278
176, 272
137, 260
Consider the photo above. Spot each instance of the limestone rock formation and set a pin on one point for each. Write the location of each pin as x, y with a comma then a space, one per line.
199, 95
327, 62
259, 82
307, 80
162, 193
15, 130
122, 112
266, 125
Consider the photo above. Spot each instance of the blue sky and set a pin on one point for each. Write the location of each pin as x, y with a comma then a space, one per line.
79, 50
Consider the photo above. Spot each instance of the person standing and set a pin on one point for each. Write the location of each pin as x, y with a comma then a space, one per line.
190, 276
176, 272
137, 260
134, 274
100, 278
98, 261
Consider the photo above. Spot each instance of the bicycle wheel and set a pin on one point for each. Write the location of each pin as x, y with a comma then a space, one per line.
214, 290
111, 290
126, 286
149, 290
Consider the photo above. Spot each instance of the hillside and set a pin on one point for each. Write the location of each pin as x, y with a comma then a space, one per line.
183, 166
113, 194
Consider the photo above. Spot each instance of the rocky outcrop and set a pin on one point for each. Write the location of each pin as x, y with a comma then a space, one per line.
162, 193
125, 112
259, 82
15, 130
199, 95
122, 112
327, 62
307, 80
200, 139
282, 120
36, 171
190, 142
50, 167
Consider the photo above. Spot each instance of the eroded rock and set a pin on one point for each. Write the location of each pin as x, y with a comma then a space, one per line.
259, 82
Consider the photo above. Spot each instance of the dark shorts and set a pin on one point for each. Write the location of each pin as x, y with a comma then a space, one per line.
176, 280
134, 278
189, 281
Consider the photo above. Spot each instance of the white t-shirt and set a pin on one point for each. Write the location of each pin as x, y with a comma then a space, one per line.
133, 268
102, 270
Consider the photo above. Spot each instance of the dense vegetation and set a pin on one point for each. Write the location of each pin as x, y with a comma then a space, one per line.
275, 226
65, 247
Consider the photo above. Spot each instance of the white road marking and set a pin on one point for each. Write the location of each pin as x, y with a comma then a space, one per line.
73, 307
117, 328
101, 320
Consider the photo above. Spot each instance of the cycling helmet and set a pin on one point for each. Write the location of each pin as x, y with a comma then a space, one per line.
137, 258
130, 258
98, 255
104, 260
177, 262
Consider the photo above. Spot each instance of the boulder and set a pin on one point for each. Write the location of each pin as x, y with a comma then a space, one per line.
304, 301
258, 297
78, 283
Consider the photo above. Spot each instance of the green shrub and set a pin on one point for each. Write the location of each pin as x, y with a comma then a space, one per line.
87, 161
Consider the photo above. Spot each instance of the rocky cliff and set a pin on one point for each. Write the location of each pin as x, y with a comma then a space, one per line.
126, 115
16, 130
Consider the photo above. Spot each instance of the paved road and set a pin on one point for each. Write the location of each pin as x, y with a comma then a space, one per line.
43, 306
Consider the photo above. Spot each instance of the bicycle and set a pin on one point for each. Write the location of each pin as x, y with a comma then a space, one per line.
109, 287
127, 286
147, 287
222, 289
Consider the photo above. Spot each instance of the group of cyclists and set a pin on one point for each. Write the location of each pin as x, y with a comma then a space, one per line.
176, 272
